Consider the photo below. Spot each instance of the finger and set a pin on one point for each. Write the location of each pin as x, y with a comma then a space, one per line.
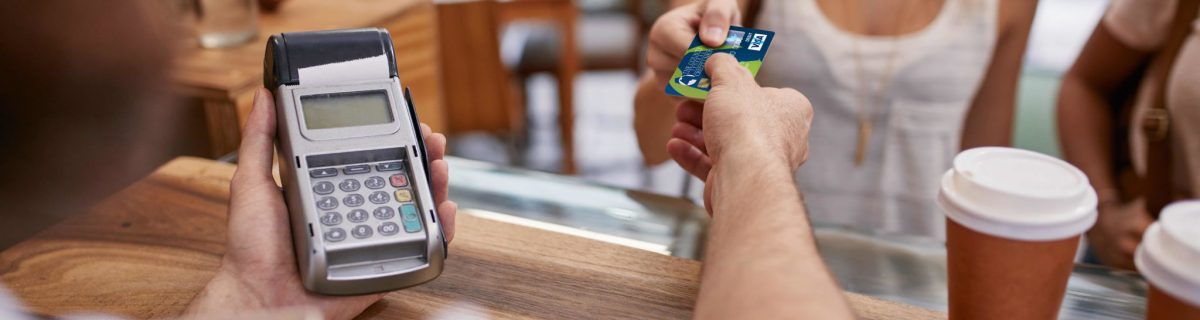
689, 134
690, 158
725, 71
435, 143
673, 32
425, 130
715, 20
256, 153
690, 112
662, 62
440, 171
448, 213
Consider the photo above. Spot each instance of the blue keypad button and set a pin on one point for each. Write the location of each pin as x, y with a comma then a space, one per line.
412, 222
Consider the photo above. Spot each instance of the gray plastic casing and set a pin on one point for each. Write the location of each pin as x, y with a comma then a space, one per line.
381, 264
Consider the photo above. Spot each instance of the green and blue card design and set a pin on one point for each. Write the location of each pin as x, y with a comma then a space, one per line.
748, 45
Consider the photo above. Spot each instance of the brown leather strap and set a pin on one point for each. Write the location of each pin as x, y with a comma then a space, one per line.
1156, 124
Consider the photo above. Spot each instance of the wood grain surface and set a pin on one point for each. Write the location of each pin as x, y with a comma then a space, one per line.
146, 251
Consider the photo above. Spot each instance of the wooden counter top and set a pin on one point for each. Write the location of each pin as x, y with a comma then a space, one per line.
146, 251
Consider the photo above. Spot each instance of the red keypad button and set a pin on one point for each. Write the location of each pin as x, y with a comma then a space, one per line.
399, 180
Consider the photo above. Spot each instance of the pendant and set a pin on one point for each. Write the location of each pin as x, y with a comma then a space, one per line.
864, 137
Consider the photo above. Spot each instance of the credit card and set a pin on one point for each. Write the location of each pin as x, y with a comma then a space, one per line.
748, 45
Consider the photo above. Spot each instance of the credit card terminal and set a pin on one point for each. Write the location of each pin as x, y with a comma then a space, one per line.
353, 163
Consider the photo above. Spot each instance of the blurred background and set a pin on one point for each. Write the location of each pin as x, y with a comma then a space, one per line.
536, 85
536, 97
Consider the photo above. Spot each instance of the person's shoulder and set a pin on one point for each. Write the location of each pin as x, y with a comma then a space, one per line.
1015, 14
1140, 24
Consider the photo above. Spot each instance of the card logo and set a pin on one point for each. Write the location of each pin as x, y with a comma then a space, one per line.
757, 42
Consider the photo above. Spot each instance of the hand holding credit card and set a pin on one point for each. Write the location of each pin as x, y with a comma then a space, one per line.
748, 45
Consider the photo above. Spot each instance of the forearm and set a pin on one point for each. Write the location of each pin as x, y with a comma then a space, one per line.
989, 122
762, 261
653, 118
1085, 131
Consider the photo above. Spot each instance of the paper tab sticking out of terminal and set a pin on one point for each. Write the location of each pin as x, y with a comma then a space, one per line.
372, 68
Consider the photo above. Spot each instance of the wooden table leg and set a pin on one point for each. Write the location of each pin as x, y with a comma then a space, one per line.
568, 68
223, 132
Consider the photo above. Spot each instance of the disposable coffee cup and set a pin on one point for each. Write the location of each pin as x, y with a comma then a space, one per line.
1169, 258
1013, 220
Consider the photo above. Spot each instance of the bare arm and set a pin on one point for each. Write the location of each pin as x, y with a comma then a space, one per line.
654, 110
990, 120
762, 261
1084, 123
746, 142
1085, 131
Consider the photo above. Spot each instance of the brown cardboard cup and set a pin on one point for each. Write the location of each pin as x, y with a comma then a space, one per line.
1169, 258
1013, 220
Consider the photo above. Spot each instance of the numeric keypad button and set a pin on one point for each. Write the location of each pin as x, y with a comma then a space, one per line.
331, 218
327, 203
389, 228
374, 183
357, 216
323, 187
323, 172
353, 200
403, 195
357, 169
384, 213
349, 185
389, 166
378, 197
361, 231
335, 234
399, 180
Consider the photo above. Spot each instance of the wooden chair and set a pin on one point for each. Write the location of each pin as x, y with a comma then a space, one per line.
480, 93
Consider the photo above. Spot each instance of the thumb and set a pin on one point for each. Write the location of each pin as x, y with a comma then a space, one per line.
715, 19
256, 153
725, 71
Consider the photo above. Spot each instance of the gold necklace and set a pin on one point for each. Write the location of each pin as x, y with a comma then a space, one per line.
865, 124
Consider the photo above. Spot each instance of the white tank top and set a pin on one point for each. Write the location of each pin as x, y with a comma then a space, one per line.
917, 126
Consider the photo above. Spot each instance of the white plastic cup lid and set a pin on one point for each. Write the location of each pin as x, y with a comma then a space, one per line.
1017, 194
1169, 256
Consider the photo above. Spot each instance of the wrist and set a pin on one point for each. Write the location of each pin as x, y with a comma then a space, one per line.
753, 154
225, 292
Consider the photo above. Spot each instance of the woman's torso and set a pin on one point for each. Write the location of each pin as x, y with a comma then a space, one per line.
1144, 25
934, 74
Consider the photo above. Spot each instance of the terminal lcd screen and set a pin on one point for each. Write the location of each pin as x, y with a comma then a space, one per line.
346, 109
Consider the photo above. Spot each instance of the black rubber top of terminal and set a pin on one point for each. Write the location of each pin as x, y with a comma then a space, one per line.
288, 52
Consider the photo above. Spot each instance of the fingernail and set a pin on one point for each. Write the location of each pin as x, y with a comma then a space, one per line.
715, 32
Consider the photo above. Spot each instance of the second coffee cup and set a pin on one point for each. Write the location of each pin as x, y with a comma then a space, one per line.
1169, 258
1013, 220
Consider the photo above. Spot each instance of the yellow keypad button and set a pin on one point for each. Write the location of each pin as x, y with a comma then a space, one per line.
404, 195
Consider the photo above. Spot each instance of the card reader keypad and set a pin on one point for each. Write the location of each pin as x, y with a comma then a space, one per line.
365, 201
